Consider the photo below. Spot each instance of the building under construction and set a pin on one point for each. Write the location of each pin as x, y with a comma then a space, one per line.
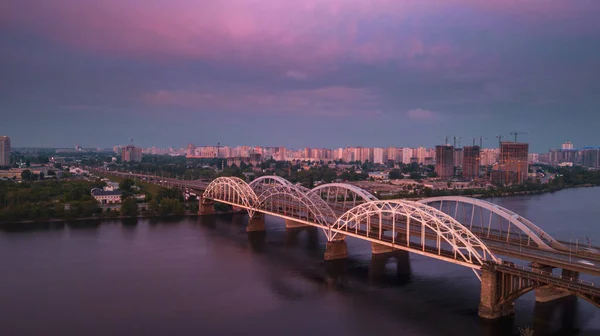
444, 161
513, 164
471, 162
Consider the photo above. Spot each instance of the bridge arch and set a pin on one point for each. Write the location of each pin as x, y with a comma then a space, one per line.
259, 184
517, 226
296, 204
232, 190
342, 197
406, 219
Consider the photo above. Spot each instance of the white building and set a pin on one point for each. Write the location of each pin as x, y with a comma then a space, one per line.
106, 197
407, 153
567, 145
380, 155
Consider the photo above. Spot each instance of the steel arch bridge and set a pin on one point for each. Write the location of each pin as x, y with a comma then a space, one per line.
493, 222
342, 210
399, 224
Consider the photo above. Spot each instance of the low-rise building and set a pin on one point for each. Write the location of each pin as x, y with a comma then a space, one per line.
106, 197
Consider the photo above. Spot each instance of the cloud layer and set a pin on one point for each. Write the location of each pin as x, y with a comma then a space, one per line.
403, 61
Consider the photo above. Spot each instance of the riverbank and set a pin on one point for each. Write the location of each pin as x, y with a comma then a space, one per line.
95, 218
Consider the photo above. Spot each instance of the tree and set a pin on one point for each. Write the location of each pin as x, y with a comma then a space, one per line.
26, 175
129, 207
415, 175
126, 185
395, 174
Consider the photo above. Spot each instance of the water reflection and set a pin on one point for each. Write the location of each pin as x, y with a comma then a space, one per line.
84, 225
378, 269
257, 241
293, 236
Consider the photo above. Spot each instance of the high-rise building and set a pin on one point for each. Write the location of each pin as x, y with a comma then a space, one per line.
380, 155
534, 158
567, 145
407, 153
489, 156
444, 161
558, 156
590, 157
4, 151
131, 154
513, 162
191, 150
420, 153
471, 160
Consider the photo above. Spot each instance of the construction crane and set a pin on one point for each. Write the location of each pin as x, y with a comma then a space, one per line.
499, 136
456, 137
481, 141
516, 133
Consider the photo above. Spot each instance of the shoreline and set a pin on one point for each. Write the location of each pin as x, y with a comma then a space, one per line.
80, 219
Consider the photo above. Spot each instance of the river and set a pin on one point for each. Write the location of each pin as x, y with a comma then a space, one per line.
207, 276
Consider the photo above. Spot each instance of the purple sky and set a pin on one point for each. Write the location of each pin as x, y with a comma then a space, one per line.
328, 73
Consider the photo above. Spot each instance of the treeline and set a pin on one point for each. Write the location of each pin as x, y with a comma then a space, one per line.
47, 199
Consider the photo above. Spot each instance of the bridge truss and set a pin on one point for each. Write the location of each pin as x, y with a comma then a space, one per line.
493, 222
342, 210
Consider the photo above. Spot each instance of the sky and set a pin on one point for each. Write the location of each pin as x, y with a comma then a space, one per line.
302, 73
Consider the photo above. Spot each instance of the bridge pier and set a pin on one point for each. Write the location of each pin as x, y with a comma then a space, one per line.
489, 302
550, 293
290, 224
336, 249
205, 207
379, 262
256, 223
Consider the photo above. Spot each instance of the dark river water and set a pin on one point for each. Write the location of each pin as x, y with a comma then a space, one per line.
207, 276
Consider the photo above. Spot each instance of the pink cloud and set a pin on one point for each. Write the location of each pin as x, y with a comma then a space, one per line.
297, 32
420, 114
328, 101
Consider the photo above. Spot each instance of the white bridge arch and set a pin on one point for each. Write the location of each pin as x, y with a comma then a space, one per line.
509, 226
406, 220
232, 190
342, 197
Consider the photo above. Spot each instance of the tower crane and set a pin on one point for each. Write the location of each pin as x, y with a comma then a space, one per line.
516, 133
499, 136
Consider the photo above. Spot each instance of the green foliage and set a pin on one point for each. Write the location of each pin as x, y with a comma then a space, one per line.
26, 175
170, 206
129, 207
395, 174
46, 199
126, 185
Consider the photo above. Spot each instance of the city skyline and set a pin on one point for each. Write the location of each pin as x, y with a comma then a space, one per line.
318, 73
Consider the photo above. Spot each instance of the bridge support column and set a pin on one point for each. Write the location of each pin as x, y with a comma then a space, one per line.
336, 249
548, 293
256, 223
380, 249
290, 224
205, 207
570, 274
489, 307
